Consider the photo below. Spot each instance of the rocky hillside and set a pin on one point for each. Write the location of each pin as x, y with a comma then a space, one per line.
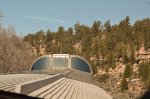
111, 81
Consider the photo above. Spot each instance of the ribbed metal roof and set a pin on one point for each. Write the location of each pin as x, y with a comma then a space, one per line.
66, 88
9, 82
72, 85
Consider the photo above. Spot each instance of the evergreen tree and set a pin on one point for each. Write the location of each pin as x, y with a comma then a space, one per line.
29, 38
107, 26
124, 84
48, 41
144, 70
128, 71
96, 28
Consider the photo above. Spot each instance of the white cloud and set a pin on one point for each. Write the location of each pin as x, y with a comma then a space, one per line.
43, 18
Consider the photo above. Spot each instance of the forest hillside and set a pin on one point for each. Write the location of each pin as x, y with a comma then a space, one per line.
119, 53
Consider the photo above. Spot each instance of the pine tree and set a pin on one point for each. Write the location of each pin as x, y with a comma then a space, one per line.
124, 84
96, 28
127, 71
48, 41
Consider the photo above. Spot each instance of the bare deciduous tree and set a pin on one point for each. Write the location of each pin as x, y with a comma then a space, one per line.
14, 53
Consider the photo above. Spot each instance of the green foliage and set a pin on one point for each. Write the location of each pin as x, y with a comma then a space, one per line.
124, 84
105, 42
29, 38
96, 27
144, 70
102, 78
147, 82
128, 71
48, 41
144, 73
94, 68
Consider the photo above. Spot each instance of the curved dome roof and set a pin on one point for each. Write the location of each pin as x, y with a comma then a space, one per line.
42, 63
62, 61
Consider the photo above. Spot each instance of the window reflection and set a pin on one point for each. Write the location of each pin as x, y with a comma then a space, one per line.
79, 64
42, 64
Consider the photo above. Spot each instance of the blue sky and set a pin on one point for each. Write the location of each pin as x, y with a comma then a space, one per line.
29, 16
